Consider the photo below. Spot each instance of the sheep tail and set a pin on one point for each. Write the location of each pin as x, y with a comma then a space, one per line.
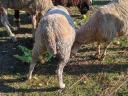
50, 43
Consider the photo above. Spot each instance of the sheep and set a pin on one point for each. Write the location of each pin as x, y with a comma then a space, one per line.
84, 4
81, 4
55, 34
36, 8
109, 21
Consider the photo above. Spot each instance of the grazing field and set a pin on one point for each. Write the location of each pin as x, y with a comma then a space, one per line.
84, 75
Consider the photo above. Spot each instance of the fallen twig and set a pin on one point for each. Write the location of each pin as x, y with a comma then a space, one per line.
114, 91
83, 77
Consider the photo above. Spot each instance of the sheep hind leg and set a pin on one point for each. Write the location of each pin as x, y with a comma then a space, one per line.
107, 44
61, 65
35, 57
60, 74
31, 68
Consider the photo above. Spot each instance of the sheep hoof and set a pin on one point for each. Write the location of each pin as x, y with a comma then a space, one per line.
62, 86
29, 77
61, 90
97, 56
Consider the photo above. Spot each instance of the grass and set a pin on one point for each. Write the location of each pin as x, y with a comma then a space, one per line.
83, 75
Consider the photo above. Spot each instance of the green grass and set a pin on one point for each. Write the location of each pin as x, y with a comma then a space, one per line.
83, 75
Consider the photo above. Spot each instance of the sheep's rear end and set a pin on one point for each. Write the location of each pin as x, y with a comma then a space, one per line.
56, 35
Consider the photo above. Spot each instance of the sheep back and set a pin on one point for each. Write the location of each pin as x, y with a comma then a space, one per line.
55, 32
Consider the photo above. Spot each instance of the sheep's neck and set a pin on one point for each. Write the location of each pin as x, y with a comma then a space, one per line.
85, 35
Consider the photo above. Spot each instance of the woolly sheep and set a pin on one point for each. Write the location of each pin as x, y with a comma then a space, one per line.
36, 8
56, 35
108, 22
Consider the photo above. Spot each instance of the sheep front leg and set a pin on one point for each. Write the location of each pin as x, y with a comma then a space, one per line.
98, 51
107, 44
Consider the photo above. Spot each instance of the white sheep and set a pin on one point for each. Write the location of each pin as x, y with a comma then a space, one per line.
108, 22
56, 35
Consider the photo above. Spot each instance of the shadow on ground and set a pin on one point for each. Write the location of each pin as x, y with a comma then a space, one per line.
10, 66
48, 69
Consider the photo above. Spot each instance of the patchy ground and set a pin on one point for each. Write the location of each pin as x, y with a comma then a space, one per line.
83, 75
